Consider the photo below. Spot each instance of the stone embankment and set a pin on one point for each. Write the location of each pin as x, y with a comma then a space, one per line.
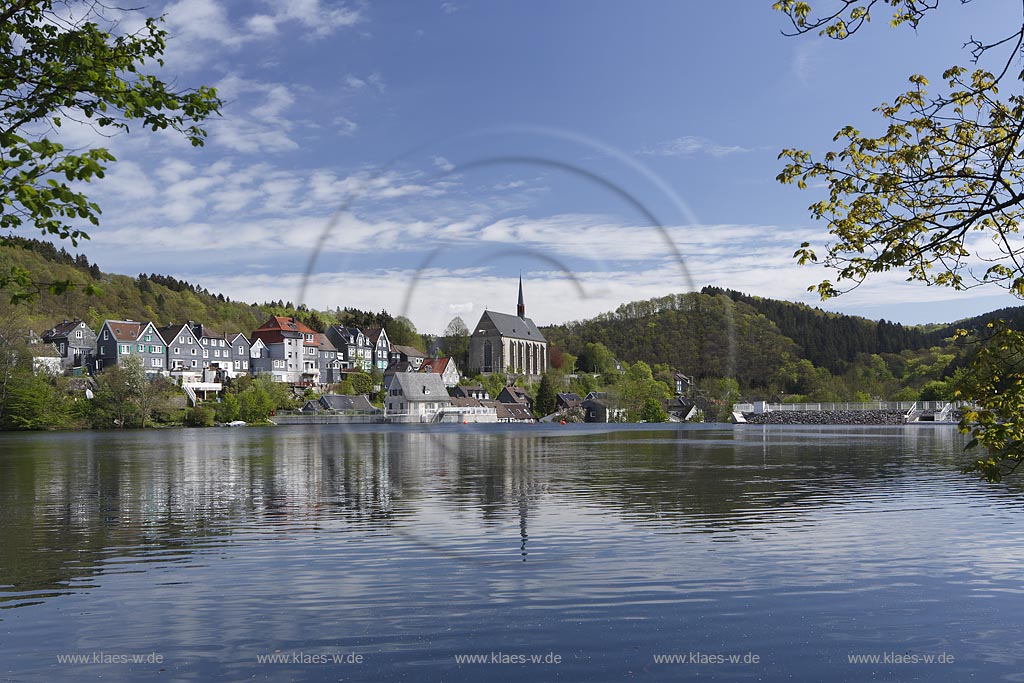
827, 417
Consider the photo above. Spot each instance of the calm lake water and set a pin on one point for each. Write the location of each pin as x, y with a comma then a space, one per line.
401, 551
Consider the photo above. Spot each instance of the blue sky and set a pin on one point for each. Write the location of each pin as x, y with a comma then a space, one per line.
435, 150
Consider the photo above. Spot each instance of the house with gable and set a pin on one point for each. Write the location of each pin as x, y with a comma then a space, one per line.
119, 339
240, 349
508, 343
353, 345
75, 343
407, 354
291, 348
381, 353
445, 367
184, 351
328, 360
416, 397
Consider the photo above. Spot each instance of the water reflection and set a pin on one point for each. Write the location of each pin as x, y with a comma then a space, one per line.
608, 542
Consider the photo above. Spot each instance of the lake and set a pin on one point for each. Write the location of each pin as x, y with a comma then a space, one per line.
477, 553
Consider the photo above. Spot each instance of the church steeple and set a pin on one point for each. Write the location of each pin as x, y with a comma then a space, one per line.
521, 308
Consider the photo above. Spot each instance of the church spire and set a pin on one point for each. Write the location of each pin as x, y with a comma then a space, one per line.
521, 308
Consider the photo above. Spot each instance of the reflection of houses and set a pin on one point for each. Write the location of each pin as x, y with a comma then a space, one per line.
445, 367
508, 343
291, 348
75, 342
420, 396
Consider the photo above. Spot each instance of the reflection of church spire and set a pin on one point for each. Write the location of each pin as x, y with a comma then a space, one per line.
521, 308
523, 510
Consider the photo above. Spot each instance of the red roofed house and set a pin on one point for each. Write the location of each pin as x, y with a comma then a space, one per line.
292, 351
445, 367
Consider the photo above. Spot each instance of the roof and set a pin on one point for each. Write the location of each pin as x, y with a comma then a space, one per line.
420, 386
408, 351
513, 326
570, 399
280, 327
62, 329
233, 337
517, 393
125, 330
373, 334
507, 411
398, 367
324, 343
201, 331
438, 365
339, 402
169, 332
466, 402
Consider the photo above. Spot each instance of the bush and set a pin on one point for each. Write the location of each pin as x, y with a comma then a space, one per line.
200, 416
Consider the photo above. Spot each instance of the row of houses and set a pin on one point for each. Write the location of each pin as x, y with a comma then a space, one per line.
283, 348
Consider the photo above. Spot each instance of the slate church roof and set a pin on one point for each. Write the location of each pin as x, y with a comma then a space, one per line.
513, 327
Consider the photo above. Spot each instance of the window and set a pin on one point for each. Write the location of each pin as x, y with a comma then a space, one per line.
141, 348
216, 353
193, 363
193, 352
245, 365
149, 337
206, 354
241, 351
181, 339
78, 334
177, 351
106, 334
157, 362
124, 348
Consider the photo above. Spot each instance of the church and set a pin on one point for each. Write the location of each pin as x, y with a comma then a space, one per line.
508, 343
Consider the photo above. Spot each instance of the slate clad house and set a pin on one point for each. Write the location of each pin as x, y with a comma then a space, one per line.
240, 348
329, 361
75, 342
341, 404
407, 354
508, 343
444, 367
381, 354
291, 350
119, 339
419, 395
353, 346
184, 350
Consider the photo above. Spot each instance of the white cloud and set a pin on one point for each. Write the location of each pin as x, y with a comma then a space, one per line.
449, 7
690, 145
254, 116
345, 126
444, 164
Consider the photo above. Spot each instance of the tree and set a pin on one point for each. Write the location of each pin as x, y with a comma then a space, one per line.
55, 69
545, 402
636, 387
456, 341
402, 332
653, 411
360, 382
947, 167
